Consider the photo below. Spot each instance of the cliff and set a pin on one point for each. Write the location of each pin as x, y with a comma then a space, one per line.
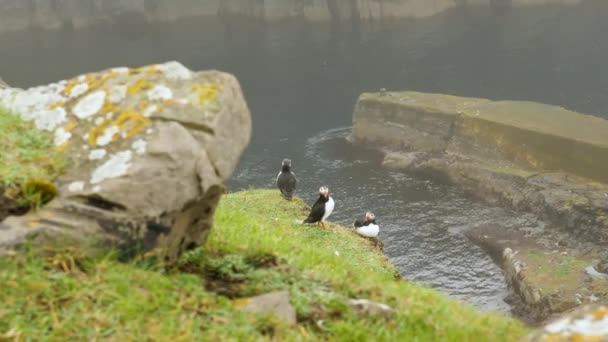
335, 281
18, 14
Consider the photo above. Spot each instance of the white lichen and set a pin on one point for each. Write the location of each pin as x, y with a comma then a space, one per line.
96, 188
107, 135
110, 115
98, 121
139, 146
117, 93
35, 103
97, 154
160, 92
149, 131
150, 110
89, 105
61, 136
78, 90
121, 70
116, 166
76, 186
48, 120
175, 71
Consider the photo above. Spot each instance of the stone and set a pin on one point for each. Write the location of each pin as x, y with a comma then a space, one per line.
149, 149
3, 84
372, 309
275, 303
499, 151
588, 323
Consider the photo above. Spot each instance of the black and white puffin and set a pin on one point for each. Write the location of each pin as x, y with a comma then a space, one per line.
322, 208
367, 226
286, 180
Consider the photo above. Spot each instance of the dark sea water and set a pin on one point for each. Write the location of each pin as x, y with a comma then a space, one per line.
302, 80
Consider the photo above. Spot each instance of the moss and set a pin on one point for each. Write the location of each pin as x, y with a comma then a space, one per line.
28, 160
554, 272
254, 248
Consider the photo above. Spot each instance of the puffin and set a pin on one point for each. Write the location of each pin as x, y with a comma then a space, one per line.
322, 208
286, 180
367, 226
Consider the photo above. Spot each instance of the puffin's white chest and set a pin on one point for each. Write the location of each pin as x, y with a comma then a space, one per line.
371, 230
329, 207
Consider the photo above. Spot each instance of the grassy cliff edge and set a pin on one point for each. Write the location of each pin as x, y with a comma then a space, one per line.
254, 248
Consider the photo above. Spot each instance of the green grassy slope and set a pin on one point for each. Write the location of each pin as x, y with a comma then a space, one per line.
255, 247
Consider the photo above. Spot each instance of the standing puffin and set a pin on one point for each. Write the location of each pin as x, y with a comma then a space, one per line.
322, 208
367, 227
286, 180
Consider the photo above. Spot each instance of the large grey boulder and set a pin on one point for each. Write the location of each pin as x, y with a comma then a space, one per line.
150, 149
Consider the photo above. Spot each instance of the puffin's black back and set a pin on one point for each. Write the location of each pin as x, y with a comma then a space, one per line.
317, 211
286, 182
362, 222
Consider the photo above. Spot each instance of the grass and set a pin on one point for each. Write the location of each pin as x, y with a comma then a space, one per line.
254, 248
554, 272
28, 161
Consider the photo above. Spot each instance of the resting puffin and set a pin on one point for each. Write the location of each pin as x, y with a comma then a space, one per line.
286, 180
367, 227
322, 208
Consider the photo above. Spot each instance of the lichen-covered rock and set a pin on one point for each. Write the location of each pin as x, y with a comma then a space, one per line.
150, 149
588, 323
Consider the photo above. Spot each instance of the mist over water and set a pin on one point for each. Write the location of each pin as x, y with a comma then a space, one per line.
302, 81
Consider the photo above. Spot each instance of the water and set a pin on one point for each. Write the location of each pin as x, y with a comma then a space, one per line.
301, 82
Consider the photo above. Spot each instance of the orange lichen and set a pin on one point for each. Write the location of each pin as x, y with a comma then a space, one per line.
152, 70
169, 101
97, 131
143, 105
131, 123
57, 105
63, 146
138, 86
109, 107
206, 92
70, 125
600, 313
95, 83
69, 86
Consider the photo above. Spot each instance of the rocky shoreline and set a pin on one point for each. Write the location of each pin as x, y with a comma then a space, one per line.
514, 155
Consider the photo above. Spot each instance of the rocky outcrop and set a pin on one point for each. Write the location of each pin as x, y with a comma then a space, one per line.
19, 14
522, 155
527, 156
149, 149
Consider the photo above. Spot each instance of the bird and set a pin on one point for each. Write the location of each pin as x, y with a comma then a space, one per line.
322, 208
286, 180
367, 226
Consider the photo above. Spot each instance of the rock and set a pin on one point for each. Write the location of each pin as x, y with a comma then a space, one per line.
499, 151
149, 149
369, 308
593, 273
276, 303
602, 266
3, 84
588, 323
